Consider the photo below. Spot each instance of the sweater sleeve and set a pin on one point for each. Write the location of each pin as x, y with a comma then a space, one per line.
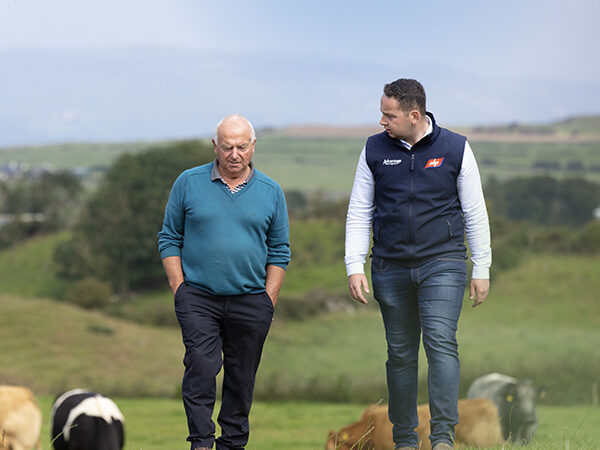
278, 235
170, 238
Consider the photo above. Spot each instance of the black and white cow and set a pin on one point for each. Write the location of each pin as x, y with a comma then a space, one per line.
83, 420
516, 402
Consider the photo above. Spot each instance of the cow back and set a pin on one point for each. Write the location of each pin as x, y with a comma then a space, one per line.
84, 420
479, 425
20, 418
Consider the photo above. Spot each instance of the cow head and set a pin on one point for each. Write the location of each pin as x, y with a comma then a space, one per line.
519, 402
356, 435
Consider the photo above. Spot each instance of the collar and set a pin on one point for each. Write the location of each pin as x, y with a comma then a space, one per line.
216, 175
430, 121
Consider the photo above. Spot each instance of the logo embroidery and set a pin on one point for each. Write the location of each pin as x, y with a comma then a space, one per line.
391, 162
435, 162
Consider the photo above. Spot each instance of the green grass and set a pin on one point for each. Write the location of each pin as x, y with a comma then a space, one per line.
310, 164
27, 269
328, 164
71, 155
51, 346
538, 322
505, 160
159, 424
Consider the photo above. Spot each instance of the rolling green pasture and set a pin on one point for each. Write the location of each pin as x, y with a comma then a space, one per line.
310, 164
540, 321
71, 155
328, 164
505, 160
52, 346
159, 424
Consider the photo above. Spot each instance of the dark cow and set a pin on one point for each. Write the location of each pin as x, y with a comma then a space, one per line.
83, 420
516, 402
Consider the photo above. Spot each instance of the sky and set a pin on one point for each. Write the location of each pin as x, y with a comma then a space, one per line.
149, 69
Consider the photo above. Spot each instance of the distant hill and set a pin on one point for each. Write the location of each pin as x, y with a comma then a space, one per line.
579, 129
302, 157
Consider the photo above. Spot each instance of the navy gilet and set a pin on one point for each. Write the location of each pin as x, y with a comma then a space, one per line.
417, 213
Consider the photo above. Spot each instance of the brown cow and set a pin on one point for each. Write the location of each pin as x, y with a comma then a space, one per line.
20, 419
478, 426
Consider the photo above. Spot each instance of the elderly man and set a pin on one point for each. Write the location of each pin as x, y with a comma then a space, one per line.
417, 186
225, 247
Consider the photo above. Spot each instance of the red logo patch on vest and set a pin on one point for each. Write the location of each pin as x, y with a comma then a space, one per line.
435, 162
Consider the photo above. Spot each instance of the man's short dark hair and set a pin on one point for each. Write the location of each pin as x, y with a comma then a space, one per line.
409, 94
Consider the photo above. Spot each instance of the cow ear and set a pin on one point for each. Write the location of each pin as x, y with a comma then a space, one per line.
510, 392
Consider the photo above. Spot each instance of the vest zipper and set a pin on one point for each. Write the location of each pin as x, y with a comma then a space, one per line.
410, 204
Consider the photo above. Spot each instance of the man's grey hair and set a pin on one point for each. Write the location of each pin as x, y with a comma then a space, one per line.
233, 116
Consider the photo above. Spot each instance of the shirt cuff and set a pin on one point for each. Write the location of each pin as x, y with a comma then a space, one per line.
480, 273
355, 267
170, 251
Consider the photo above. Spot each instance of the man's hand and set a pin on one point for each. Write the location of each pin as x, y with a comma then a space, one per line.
479, 291
172, 266
357, 282
275, 276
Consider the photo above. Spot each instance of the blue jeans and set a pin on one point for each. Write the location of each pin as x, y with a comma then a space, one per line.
427, 298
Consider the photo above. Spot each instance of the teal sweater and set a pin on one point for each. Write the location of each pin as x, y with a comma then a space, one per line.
225, 240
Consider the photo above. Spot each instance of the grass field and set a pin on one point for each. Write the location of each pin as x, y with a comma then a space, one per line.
540, 321
310, 164
51, 346
330, 163
71, 155
159, 424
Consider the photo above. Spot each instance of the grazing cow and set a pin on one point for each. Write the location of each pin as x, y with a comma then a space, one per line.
516, 402
20, 419
83, 420
478, 426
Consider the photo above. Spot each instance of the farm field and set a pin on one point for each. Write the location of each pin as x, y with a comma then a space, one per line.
541, 320
159, 424
538, 322
330, 163
327, 164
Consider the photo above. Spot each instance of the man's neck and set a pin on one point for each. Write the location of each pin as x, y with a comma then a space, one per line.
233, 180
420, 130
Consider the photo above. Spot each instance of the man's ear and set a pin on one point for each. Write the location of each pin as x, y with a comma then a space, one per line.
415, 116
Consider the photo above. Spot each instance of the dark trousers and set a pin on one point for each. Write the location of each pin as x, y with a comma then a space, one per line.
217, 331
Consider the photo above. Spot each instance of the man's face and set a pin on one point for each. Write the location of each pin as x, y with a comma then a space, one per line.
234, 148
397, 123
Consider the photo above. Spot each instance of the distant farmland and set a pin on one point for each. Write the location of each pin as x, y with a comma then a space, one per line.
324, 159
